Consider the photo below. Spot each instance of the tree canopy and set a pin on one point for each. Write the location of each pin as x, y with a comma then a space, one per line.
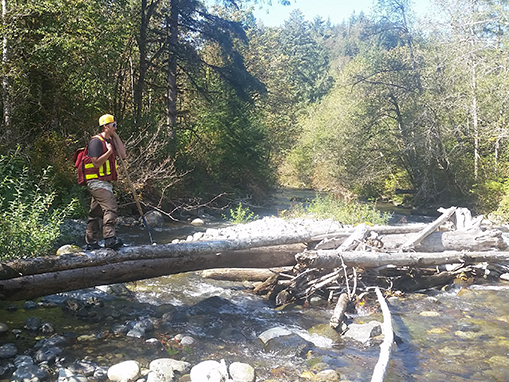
210, 101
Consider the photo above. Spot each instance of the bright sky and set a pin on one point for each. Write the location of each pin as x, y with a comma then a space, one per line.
336, 10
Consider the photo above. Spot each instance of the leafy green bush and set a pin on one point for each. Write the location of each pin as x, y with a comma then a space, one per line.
327, 207
29, 221
501, 214
240, 215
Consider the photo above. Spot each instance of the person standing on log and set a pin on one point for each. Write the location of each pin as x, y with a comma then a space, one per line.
100, 171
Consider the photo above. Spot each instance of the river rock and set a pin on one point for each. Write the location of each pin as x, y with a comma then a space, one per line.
124, 371
8, 350
30, 305
84, 367
3, 328
242, 372
283, 342
291, 346
269, 334
47, 354
47, 328
326, 376
209, 371
23, 360
197, 222
363, 332
68, 249
56, 340
181, 367
118, 289
214, 306
140, 328
33, 323
154, 219
66, 375
187, 341
164, 369
30, 373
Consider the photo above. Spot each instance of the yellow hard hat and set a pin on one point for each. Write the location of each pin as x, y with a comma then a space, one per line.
106, 118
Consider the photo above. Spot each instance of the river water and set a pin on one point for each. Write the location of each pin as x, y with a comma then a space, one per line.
459, 333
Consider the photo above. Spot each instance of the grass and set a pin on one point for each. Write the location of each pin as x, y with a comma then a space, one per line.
327, 207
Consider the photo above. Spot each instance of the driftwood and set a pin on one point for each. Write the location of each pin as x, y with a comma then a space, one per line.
410, 244
29, 278
339, 311
334, 259
471, 240
242, 274
41, 284
406, 261
248, 248
385, 349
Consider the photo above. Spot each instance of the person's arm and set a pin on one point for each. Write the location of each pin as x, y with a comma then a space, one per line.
99, 161
96, 154
119, 146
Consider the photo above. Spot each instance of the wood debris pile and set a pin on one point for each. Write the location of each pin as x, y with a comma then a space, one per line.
452, 249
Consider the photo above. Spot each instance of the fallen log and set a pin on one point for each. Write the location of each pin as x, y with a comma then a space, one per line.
39, 265
32, 286
78, 260
335, 259
385, 349
242, 274
339, 311
410, 244
470, 240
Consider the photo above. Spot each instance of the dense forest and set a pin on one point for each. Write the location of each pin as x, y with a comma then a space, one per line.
210, 102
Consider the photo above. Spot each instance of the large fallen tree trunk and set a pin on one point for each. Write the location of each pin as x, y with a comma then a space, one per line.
471, 240
335, 259
24, 267
31, 286
254, 247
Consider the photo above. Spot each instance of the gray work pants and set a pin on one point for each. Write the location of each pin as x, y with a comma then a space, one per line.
103, 205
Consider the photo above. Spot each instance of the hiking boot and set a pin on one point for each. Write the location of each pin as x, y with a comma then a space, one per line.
92, 247
113, 243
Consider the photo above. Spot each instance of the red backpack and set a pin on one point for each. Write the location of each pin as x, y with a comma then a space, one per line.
79, 164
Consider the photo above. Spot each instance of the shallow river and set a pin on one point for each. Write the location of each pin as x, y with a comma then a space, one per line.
457, 334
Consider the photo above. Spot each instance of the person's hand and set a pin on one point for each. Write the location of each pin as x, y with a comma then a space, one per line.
109, 147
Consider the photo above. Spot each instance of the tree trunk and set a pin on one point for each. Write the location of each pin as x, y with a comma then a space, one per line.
31, 286
5, 79
471, 240
414, 241
146, 14
171, 97
242, 274
283, 247
335, 259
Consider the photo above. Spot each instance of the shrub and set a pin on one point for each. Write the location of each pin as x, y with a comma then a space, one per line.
29, 221
240, 215
351, 212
